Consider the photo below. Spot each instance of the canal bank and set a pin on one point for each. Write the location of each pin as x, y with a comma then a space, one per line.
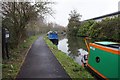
73, 47
73, 69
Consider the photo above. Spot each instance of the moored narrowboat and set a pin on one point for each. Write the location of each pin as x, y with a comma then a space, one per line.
104, 59
53, 36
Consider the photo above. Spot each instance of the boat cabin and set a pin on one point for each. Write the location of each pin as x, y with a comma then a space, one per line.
104, 59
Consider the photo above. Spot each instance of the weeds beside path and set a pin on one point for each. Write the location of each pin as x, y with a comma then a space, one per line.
10, 67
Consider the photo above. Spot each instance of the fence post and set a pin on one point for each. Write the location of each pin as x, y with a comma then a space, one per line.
5, 43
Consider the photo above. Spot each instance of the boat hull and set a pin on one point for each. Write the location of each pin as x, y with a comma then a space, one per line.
54, 41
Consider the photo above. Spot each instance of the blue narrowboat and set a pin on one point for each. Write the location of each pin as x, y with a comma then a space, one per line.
53, 36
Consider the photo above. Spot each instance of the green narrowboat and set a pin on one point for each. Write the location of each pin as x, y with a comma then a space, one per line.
104, 59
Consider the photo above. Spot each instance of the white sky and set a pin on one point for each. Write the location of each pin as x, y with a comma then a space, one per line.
87, 8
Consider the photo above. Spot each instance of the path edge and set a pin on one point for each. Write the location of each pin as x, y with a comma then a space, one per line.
57, 59
23, 60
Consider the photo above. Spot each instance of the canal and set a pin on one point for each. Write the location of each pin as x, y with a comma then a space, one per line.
74, 47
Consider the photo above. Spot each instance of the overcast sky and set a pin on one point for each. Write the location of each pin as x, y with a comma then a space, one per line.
87, 8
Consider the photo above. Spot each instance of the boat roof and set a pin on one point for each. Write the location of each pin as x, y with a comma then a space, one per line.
109, 44
106, 43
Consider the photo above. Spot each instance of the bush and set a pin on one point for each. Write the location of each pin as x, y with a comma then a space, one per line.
107, 29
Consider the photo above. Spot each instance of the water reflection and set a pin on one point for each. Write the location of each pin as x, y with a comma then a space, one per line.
73, 47
63, 45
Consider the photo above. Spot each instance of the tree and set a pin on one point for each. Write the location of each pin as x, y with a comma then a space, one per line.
16, 15
74, 22
85, 28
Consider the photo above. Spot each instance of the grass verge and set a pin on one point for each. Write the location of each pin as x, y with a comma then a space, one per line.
10, 67
73, 69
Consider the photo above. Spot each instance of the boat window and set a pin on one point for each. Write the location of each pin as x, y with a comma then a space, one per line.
116, 46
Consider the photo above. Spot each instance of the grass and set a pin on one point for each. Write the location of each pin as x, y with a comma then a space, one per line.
10, 67
73, 69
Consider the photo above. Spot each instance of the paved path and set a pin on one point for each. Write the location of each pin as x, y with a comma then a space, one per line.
41, 63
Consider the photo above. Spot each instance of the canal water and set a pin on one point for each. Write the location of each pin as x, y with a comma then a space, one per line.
74, 47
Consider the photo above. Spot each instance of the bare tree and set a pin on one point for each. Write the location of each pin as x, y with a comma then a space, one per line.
16, 15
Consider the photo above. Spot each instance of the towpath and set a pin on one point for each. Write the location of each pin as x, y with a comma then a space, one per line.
41, 63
